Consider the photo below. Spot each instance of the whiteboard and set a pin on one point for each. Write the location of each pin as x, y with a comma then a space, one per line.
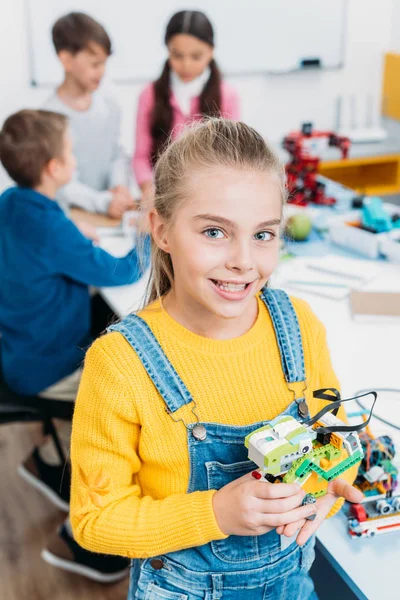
252, 36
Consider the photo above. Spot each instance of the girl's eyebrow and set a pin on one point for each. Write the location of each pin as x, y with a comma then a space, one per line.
228, 223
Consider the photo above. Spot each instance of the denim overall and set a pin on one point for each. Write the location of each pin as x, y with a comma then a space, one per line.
266, 567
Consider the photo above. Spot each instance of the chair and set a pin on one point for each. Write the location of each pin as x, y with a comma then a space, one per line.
15, 408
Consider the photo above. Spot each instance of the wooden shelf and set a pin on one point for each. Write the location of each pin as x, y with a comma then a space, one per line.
372, 175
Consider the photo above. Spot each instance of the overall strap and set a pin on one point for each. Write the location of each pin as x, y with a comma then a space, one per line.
163, 375
287, 331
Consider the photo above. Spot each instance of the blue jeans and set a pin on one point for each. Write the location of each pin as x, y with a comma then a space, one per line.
284, 579
266, 567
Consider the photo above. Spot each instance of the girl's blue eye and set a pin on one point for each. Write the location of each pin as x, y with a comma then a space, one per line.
264, 236
214, 233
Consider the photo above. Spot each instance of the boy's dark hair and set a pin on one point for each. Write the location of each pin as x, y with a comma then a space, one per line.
28, 141
76, 31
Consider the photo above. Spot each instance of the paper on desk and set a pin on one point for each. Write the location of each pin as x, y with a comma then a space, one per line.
320, 284
331, 276
349, 270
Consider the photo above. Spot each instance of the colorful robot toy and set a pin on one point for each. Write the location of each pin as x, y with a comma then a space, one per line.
302, 169
311, 452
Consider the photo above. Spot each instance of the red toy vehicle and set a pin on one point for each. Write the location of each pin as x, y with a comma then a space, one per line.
376, 515
302, 169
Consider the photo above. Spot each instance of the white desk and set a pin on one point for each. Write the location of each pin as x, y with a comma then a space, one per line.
370, 567
364, 356
123, 299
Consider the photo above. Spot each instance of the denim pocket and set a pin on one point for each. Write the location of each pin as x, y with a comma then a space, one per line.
156, 592
308, 554
235, 548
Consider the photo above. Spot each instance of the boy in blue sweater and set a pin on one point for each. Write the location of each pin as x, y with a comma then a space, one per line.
46, 266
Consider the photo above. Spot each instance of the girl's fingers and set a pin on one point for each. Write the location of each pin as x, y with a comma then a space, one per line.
341, 488
324, 506
282, 505
308, 529
292, 528
297, 514
267, 491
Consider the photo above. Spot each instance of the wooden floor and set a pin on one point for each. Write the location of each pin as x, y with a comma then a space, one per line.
26, 521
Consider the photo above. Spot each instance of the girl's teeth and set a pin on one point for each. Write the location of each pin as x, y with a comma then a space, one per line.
231, 287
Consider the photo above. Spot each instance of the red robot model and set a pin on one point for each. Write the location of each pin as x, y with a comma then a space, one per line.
302, 169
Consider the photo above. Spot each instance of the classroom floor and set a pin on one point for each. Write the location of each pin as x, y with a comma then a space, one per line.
26, 521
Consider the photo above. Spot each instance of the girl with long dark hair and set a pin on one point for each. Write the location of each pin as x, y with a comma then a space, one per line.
189, 87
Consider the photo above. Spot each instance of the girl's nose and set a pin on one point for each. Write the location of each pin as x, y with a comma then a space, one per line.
240, 258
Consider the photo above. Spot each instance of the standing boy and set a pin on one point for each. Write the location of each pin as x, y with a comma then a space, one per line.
100, 183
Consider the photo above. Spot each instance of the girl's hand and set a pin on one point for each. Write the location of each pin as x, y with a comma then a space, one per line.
250, 507
336, 489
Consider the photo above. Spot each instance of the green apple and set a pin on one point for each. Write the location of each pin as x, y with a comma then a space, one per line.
298, 227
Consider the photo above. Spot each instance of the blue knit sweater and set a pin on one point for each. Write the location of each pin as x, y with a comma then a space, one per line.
46, 266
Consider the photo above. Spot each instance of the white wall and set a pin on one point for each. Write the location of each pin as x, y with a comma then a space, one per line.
395, 29
272, 104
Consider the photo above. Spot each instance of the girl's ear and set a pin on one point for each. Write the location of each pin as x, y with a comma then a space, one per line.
158, 230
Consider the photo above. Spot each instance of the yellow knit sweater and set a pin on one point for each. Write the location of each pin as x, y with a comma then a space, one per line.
130, 466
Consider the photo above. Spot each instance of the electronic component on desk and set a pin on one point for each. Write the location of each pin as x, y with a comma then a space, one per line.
376, 218
374, 516
377, 478
357, 202
390, 246
377, 473
375, 215
304, 148
351, 236
372, 233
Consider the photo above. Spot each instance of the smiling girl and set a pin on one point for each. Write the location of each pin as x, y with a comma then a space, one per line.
160, 470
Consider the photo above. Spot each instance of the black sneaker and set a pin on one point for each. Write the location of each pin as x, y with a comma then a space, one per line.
54, 481
63, 552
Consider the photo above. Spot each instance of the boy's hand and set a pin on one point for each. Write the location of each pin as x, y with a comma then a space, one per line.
121, 202
250, 507
336, 489
122, 189
88, 230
